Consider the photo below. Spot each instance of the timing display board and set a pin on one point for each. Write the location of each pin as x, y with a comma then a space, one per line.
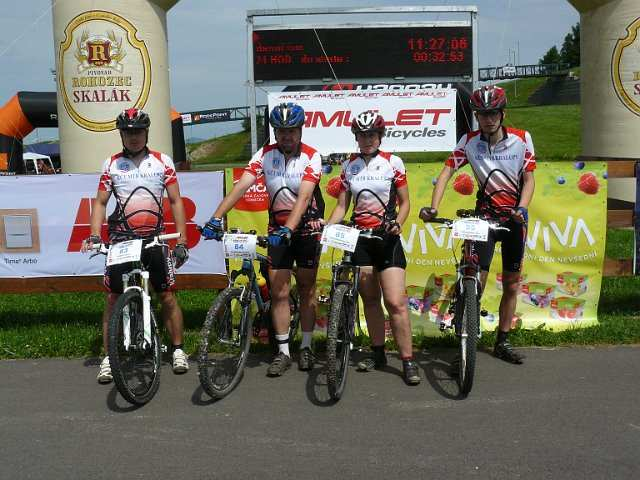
362, 52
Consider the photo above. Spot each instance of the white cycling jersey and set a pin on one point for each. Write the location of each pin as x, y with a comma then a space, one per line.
284, 177
498, 171
373, 187
138, 190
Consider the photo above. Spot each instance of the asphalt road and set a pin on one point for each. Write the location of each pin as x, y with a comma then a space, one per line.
565, 413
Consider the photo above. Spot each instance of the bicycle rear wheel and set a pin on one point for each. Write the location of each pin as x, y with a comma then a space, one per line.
135, 367
469, 321
225, 339
338, 340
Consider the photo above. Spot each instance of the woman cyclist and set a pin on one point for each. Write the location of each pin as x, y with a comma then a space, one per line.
377, 181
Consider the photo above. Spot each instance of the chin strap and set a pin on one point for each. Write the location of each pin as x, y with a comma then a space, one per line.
129, 154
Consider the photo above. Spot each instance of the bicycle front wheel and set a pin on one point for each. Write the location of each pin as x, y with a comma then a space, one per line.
469, 322
338, 340
224, 343
135, 362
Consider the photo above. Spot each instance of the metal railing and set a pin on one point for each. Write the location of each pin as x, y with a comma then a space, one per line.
522, 71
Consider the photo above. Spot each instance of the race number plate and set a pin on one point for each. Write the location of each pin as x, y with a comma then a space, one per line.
340, 236
239, 245
471, 229
124, 252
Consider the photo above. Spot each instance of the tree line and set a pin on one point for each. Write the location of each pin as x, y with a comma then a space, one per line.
569, 52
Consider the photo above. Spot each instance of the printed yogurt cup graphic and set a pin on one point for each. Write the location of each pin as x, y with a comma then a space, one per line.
572, 283
439, 313
537, 294
567, 309
438, 288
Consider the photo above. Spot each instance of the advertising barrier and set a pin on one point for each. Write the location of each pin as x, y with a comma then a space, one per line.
43, 220
417, 120
564, 250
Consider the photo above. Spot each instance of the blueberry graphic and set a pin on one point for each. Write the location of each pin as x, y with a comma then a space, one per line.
579, 165
561, 180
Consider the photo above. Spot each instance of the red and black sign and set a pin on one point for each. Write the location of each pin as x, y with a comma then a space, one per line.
362, 53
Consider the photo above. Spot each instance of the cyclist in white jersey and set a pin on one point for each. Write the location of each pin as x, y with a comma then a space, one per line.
138, 177
503, 161
292, 173
377, 182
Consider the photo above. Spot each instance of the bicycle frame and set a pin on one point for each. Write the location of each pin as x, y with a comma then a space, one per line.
248, 270
467, 268
143, 274
347, 273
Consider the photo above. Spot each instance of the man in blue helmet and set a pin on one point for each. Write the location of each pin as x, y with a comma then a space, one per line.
292, 173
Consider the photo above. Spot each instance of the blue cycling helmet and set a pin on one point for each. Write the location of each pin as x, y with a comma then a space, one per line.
287, 115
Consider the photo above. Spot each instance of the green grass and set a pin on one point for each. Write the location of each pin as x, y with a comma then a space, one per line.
519, 91
555, 129
226, 149
69, 324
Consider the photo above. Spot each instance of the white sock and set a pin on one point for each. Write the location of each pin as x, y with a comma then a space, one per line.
306, 340
283, 343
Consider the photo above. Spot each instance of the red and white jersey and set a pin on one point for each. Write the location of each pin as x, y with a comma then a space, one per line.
138, 190
499, 171
373, 187
283, 178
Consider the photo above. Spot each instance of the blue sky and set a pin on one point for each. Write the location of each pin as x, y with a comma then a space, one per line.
207, 44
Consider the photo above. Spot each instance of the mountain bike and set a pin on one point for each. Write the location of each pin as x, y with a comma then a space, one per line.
343, 307
226, 334
465, 304
134, 346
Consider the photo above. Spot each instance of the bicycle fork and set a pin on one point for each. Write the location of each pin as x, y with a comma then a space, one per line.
146, 310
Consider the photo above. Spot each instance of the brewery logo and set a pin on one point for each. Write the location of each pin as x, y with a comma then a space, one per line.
625, 68
103, 68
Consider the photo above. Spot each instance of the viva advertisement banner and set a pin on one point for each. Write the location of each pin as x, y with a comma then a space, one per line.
43, 220
564, 252
417, 120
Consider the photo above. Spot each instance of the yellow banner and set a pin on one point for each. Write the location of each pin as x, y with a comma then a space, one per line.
564, 254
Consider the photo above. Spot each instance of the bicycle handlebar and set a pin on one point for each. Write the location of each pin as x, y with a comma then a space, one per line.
262, 240
369, 234
103, 248
448, 223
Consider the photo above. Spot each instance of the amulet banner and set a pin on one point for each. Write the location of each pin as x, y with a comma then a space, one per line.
44, 219
416, 120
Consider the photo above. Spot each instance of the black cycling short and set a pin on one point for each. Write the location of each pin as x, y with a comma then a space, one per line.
303, 249
380, 254
513, 243
159, 263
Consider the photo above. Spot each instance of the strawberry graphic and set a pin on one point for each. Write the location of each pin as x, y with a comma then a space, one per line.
333, 187
588, 183
463, 184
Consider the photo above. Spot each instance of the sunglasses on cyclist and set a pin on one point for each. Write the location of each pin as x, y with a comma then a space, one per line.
490, 113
